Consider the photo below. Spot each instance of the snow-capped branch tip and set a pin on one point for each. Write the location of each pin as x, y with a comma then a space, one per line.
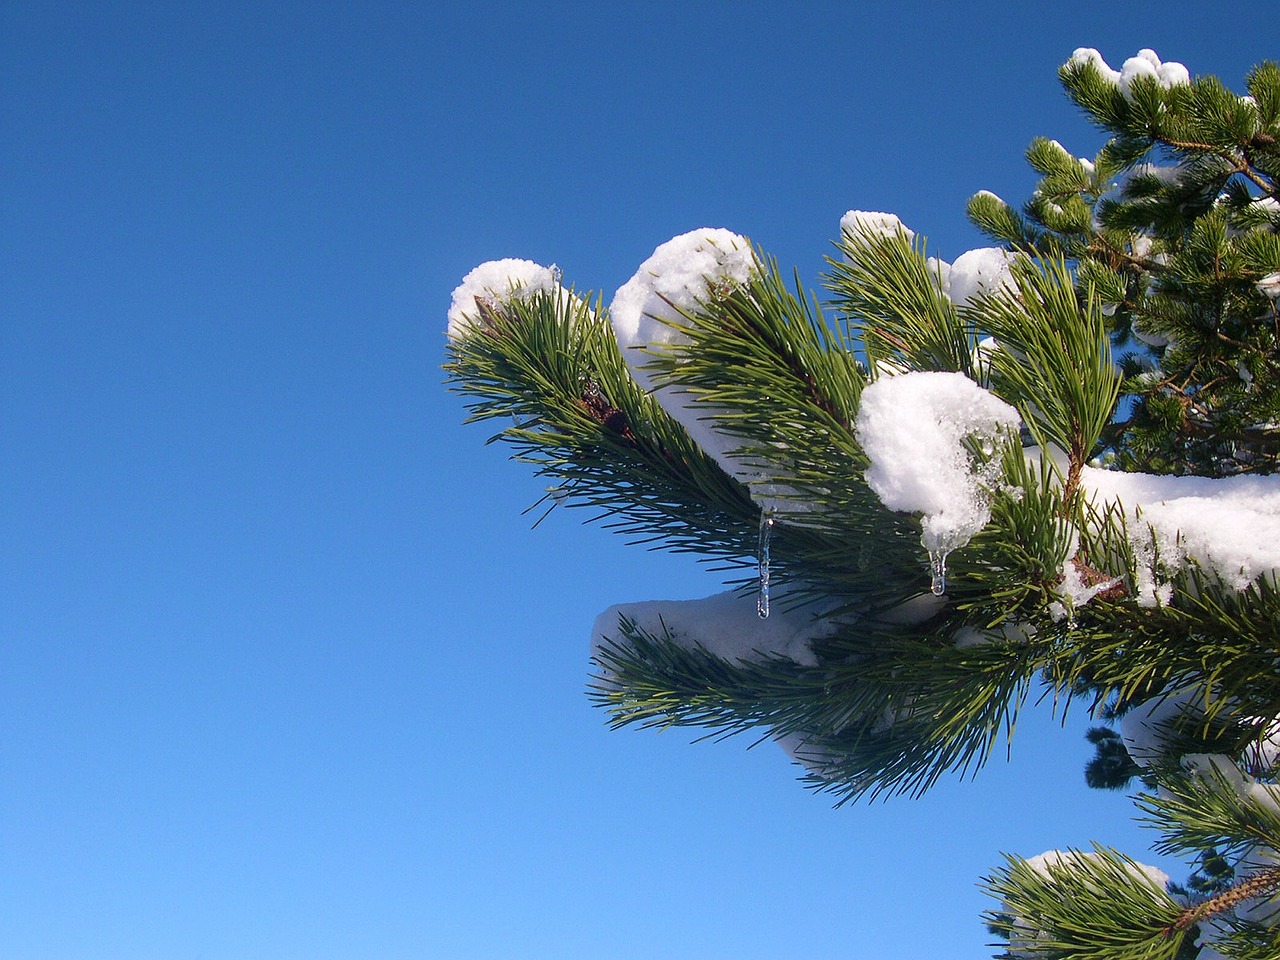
1145, 64
984, 270
681, 273
858, 225
494, 283
724, 625
682, 277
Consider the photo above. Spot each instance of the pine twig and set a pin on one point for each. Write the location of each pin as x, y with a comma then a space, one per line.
1260, 884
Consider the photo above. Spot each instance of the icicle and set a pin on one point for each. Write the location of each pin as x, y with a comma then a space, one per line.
938, 563
766, 539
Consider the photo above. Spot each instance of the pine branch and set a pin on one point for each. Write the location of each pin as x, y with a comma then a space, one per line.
551, 364
890, 294
1210, 808
1219, 640
1085, 906
771, 373
1053, 361
889, 711
1260, 885
1176, 271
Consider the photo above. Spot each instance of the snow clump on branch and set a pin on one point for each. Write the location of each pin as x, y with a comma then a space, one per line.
724, 625
681, 277
933, 440
497, 282
1026, 939
1145, 64
1049, 861
1153, 734
1269, 286
1228, 527
866, 223
985, 270
1150, 730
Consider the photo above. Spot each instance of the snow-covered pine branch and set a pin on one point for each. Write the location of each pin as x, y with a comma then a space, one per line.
948, 494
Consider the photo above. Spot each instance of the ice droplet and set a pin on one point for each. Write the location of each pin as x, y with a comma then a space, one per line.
762, 561
938, 564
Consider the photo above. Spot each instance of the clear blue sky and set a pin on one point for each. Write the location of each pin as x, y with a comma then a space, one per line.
283, 671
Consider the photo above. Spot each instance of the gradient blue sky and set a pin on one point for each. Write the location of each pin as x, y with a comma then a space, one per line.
283, 671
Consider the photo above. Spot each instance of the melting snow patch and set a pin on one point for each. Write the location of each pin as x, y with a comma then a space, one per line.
914, 429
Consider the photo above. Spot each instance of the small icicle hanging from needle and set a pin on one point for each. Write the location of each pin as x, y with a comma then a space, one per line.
762, 560
938, 565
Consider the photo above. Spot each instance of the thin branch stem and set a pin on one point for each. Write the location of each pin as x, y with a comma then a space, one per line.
1260, 884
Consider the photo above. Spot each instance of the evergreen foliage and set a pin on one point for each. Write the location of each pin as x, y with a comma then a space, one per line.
1163, 252
1175, 254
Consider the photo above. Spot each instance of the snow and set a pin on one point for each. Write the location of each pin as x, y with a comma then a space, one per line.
1149, 735
1221, 768
682, 274
1084, 162
1264, 755
917, 609
1229, 526
1151, 339
1148, 727
1075, 591
1269, 205
856, 224
984, 270
1023, 943
1008, 632
1169, 173
801, 748
500, 281
1145, 64
940, 272
675, 278
725, 625
1217, 766
1090, 55
1225, 775
1050, 859
913, 428
1269, 286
